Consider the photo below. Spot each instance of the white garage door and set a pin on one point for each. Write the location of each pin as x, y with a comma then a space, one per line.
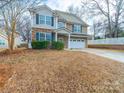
77, 43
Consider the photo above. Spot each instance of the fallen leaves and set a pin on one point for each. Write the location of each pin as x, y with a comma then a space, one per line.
47, 71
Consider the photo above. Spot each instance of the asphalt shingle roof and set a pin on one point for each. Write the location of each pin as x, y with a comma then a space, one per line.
70, 17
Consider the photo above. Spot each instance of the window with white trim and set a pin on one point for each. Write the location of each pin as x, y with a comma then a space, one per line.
45, 19
61, 25
41, 36
48, 36
77, 28
48, 20
2, 42
42, 19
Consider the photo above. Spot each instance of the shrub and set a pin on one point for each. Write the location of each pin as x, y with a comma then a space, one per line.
40, 44
58, 45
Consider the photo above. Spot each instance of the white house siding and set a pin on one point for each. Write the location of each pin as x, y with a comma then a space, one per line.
108, 41
3, 43
45, 12
18, 41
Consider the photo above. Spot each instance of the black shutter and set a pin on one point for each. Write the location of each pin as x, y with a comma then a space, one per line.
52, 21
37, 18
81, 28
37, 36
72, 27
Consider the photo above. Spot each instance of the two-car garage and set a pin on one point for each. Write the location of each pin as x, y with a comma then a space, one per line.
77, 43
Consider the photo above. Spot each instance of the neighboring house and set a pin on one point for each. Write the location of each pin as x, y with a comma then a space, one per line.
4, 40
3, 36
54, 25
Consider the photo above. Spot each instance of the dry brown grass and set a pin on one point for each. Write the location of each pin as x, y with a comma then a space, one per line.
47, 71
5, 74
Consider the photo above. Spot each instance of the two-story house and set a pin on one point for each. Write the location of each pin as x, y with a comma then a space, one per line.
54, 25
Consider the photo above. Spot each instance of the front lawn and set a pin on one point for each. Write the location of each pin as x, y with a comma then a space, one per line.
51, 71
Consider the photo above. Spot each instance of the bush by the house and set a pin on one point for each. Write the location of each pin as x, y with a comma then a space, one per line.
58, 45
40, 44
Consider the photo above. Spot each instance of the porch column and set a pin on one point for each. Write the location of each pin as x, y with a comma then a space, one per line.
56, 36
69, 41
56, 22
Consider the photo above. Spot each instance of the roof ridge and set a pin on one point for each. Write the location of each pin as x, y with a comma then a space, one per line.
64, 12
67, 16
70, 14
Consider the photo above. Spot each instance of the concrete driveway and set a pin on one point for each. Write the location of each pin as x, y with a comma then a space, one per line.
116, 55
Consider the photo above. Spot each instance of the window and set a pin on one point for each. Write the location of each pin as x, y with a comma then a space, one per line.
77, 28
78, 40
61, 25
40, 36
48, 20
45, 20
48, 36
74, 40
2, 42
42, 19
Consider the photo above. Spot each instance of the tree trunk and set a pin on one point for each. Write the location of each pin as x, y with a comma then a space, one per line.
94, 28
109, 19
117, 15
13, 35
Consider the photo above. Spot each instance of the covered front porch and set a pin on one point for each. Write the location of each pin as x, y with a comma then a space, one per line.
70, 40
63, 36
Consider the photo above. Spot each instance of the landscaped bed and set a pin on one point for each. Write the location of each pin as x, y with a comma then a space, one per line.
51, 71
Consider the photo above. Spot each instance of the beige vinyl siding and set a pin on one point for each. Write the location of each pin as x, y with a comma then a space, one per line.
69, 26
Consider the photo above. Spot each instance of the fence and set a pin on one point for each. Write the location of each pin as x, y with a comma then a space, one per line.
108, 41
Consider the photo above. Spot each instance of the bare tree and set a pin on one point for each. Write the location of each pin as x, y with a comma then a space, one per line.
4, 3
118, 5
12, 13
24, 28
79, 11
101, 9
112, 10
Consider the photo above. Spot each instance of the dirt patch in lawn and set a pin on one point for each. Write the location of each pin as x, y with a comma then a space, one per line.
7, 52
5, 74
47, 71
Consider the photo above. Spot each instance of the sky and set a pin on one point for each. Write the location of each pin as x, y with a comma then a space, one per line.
62, 4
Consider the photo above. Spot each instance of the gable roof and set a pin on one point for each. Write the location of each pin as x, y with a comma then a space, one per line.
34, 9
69, 17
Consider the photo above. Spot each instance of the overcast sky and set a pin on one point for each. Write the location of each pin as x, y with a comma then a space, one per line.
62, 4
